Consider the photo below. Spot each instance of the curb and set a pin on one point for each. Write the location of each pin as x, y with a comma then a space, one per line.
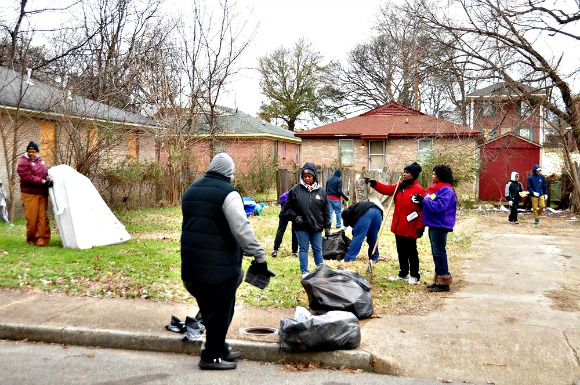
115, 339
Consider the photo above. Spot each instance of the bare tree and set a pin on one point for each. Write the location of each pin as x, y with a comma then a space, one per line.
526, 44
403, 62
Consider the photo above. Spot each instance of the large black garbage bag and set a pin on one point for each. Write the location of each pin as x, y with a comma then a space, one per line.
331, 331
338, 289
335, 245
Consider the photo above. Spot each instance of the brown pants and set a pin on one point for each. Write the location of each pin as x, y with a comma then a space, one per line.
538, 206
37, 227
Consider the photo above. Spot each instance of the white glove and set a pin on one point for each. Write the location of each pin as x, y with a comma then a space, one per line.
546, 197
511, 203
414, 199
536, 194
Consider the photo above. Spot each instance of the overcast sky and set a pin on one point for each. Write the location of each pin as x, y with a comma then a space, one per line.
333, 27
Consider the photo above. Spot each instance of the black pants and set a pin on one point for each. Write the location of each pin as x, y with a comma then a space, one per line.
513, 213
216, 303
408, 256
282, 224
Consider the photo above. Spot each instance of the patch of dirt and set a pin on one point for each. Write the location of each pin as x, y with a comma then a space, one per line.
566, 299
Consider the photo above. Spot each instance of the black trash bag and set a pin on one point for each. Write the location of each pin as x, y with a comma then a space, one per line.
334, 330
192, 328
338, 289
335, 245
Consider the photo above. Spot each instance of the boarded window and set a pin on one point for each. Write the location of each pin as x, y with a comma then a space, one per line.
133, 149
48, 142
346, 147
376, 155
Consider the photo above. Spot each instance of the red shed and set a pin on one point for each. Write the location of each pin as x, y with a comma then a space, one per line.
501, 156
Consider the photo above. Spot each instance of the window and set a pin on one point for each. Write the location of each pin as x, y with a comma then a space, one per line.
487, 109
424, 149
524, 109
376, 155
48, 141
526, 132
346, 147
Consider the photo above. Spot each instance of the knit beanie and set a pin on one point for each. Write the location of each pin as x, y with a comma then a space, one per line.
32, 146
413, 169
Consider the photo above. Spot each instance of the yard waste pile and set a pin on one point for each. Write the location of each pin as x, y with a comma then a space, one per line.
331, 331
338, 289
83, 218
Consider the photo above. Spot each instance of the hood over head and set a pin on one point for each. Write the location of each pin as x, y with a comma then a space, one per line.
223, 164
309, 168
536, 168
514, 175
338, 173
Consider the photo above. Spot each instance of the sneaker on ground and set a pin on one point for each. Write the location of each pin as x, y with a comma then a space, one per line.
397, 278
413, 281
304, 274
295, 255
274, 253
536, 221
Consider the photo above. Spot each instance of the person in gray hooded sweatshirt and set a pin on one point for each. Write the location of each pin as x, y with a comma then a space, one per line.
215, 234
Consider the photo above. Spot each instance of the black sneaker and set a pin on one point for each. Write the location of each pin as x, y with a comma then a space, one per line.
233, 355
274, 253
216, 364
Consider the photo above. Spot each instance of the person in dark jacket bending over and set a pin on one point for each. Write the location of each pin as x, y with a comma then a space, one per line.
538, 189
365, 218
215, 233
335, 196
306, 207
407, 223
439, 214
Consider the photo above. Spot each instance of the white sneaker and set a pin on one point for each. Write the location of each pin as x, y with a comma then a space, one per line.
413, 281
397, 278
305, 274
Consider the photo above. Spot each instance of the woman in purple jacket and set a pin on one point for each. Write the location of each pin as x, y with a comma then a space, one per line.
439, 209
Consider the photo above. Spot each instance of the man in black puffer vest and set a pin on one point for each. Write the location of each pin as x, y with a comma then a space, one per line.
215, 233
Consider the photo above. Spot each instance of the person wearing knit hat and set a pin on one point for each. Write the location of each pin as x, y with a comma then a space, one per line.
34, 184
407, 223
32, 146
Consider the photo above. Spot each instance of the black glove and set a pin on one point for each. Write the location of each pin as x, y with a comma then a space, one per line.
262, 268
417, 199
420, 232
298, 220
370, 181
326, 233
347, 199
49, 183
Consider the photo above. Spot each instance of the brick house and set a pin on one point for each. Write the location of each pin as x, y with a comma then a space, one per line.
33, 110
246, 139
512, 125
385, 139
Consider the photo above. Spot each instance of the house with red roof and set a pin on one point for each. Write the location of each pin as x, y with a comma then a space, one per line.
385, 139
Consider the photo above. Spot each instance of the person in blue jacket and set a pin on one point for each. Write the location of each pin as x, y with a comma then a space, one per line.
538, 189
306, 207
335, 196
439, 208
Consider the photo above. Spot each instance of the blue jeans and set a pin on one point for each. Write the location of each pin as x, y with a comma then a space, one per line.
336, 207
305, 239
438, 238
367, 225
